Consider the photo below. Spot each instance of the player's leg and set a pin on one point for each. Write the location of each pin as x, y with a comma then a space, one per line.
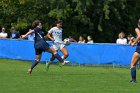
56, 55
50, 49
49, 62
38, 57
65, 53
135, 59
55, 47
52, 57
139, 64
54, 52
38, 53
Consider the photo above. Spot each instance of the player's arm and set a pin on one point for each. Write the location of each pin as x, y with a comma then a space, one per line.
50, 33
138, 37
49, 36
28, 33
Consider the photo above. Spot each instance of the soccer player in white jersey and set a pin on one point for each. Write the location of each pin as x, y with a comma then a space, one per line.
55, 35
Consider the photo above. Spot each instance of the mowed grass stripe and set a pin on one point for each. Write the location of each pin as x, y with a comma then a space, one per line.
68, 79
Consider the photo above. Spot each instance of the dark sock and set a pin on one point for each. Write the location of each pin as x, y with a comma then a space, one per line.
133, 73
59, 57
34, 63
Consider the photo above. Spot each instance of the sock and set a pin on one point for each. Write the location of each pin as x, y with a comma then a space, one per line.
133, 73
58, 57
34, 63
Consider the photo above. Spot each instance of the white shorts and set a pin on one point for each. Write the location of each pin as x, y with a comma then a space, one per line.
58, 46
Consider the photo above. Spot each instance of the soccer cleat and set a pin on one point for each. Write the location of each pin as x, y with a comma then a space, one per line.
29, 71
65, 62
133, 81
47, 65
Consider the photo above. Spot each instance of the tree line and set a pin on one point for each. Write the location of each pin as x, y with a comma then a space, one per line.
102, 19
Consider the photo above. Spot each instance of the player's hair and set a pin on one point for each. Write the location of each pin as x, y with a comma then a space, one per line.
90, 37
120, 34
35, 23
58, 21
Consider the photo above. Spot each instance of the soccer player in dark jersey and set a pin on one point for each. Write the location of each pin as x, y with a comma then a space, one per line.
40, 44
136, 55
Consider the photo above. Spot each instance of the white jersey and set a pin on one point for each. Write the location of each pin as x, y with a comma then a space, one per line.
3, 35
56, 34
121, 41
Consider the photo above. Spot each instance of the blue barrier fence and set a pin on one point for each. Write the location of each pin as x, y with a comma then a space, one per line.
78, 53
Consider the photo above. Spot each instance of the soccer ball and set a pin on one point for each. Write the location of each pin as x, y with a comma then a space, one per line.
67, 41
132, 39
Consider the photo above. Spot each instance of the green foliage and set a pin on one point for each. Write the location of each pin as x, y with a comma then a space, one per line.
99, 18
21, 23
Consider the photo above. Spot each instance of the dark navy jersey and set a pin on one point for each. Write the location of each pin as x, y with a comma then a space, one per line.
15, 35
138, 44
39, 35
40, 44
138, 48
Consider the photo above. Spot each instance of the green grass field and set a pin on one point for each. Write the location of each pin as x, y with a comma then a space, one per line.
68, 79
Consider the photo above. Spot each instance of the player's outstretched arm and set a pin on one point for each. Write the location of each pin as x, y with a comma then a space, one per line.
49, 36
28, 33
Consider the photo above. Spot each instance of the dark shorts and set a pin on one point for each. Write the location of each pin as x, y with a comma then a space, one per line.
41, 47
138, 48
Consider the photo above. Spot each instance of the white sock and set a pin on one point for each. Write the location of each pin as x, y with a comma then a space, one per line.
62, 57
